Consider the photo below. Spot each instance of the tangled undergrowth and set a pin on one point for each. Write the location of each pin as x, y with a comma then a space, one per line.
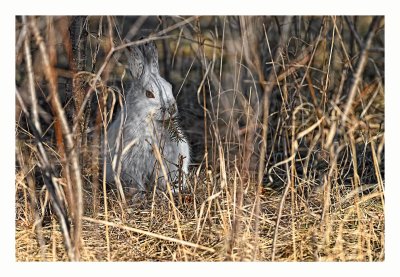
284, 115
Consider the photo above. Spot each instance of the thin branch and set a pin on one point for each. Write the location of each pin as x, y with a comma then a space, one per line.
71, 151
49, 180
28, 59
135, 28
265, 106
354, 31
361, 65
150, 234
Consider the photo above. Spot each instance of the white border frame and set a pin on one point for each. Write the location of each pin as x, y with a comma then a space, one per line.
201, 7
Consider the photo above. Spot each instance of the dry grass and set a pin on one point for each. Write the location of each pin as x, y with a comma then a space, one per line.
349, 232
285, 117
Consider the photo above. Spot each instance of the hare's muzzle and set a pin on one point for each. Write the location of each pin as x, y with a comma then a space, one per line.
172, 110
169, 111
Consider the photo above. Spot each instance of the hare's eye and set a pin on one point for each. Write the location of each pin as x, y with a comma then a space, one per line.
149, 94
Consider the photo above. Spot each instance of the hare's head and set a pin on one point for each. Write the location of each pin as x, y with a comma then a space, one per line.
151, 95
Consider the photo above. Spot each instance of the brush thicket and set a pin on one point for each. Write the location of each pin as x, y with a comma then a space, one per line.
284, 115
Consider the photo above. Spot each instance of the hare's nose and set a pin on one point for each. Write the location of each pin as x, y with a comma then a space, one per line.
172, 109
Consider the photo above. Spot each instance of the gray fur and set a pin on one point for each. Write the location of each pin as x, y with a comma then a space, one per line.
145, 124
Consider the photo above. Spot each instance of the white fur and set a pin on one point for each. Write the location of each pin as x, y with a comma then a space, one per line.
144, 127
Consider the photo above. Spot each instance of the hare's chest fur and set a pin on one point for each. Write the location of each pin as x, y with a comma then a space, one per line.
139, 165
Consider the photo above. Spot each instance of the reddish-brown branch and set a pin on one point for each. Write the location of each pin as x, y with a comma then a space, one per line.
71, 153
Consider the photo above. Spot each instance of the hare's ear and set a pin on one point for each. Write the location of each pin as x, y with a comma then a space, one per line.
135, 61
150, 51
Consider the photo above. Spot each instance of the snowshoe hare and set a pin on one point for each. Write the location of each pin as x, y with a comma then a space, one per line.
148, 120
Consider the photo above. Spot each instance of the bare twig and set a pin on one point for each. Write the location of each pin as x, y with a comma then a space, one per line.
28, 59
71, 153
265, 108
354, 31
49, 180
135, 28
361, 66
117, 159
104, 186
150, 234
